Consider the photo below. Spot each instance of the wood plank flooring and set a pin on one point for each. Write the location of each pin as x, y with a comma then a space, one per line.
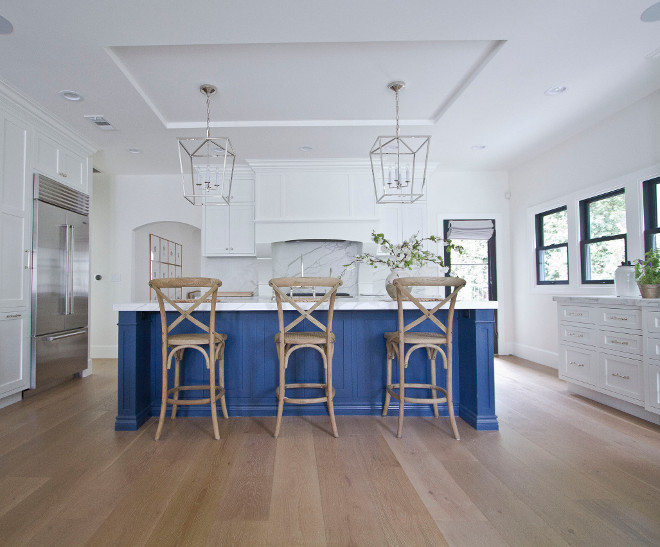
562, 470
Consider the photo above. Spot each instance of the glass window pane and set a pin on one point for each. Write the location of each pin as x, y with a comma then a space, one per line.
554, 264
476, 277
475, 251
603, 258
656, 241
607, 217
555, 228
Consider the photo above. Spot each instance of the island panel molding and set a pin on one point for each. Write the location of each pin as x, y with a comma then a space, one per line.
359, 364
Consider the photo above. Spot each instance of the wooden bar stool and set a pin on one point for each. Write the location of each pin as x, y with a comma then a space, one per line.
209, 343
322, 340
431, 341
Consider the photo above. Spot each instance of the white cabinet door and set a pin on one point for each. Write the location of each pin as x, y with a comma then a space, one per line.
60, 164
215, 229
15, 354
578, 363
241, 229
15, 214
242, 191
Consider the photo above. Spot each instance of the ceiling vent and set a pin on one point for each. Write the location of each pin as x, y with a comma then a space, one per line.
100, 122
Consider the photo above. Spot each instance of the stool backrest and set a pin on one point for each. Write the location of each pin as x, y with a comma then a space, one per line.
211, 295
281, 296
403, 295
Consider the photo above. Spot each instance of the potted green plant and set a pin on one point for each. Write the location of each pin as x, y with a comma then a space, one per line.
647, 274
400, 258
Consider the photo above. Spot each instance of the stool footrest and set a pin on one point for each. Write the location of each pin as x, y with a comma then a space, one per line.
304, 401
407, 399
185, 402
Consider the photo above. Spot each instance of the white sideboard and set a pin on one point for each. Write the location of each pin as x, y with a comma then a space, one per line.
609, 350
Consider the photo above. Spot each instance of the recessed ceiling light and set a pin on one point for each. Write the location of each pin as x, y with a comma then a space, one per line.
651, 14
134, 151
478, 147
305, 149
70, 95
556, 90
5, 26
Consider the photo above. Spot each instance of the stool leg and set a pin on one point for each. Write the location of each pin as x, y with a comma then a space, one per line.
177, 373
402, 388
450, 399
328, 388
221, 379
432, 353
280, 395
163, 404
388, 381
210, 360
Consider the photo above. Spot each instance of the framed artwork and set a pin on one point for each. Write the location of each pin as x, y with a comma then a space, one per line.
165, 262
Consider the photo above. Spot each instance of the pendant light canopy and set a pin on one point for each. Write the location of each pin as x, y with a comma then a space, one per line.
398, 164
207, 164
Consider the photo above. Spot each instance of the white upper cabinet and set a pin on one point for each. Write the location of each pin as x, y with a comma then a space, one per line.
15, 213
60, 163
230, 230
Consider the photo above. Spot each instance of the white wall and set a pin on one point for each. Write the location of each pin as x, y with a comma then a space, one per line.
120, 205
620, 151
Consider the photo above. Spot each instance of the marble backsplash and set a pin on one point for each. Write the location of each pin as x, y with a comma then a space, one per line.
322, 258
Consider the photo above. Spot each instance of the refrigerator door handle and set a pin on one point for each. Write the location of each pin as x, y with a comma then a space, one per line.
67, 335
67, 268
71, 270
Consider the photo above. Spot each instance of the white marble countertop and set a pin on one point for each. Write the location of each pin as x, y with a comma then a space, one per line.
609, 300
341, 304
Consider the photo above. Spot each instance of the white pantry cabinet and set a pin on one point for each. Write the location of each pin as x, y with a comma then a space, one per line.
15, 254
60, 163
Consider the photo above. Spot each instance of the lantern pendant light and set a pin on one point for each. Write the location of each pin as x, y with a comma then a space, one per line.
399, 163
207, 164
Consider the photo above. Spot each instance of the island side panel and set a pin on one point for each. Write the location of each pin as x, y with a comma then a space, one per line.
476, 369
134, 370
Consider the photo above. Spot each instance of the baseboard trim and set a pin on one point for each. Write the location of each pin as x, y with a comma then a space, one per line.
618, 404
10, 399
103, 352
538, 355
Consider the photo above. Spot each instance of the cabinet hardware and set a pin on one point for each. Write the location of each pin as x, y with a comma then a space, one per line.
576, 363
576, 334
615, 318
574, 314
28, 254
14, 315
620, 376
619, 342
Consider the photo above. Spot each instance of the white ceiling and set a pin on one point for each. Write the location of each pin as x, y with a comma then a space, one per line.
297, 73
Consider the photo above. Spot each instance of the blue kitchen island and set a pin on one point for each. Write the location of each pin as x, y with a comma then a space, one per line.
251, 365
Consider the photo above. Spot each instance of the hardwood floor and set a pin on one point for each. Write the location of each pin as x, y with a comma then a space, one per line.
562, 470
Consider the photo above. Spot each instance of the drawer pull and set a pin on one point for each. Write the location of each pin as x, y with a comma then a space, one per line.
14, 316
616, 318
619, 342
575, 314
576, 334
620, 376
576, 363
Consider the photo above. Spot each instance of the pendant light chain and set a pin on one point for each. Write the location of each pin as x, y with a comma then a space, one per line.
396, 93
208, 115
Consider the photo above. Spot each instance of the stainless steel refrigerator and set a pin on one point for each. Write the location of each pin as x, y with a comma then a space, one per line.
60, 282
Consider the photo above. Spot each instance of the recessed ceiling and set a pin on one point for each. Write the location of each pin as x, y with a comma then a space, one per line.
295, 73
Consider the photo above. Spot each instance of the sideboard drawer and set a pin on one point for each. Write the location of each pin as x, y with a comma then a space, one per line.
621, 341
578, 334
653, 348
579, 363
653, 388
630, 318
653, 321
622, 375
576, 314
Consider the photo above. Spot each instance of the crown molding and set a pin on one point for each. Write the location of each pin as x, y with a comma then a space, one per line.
41, 117
343, 165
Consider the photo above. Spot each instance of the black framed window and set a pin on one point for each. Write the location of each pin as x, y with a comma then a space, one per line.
651, 228
603, 240
552, 247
